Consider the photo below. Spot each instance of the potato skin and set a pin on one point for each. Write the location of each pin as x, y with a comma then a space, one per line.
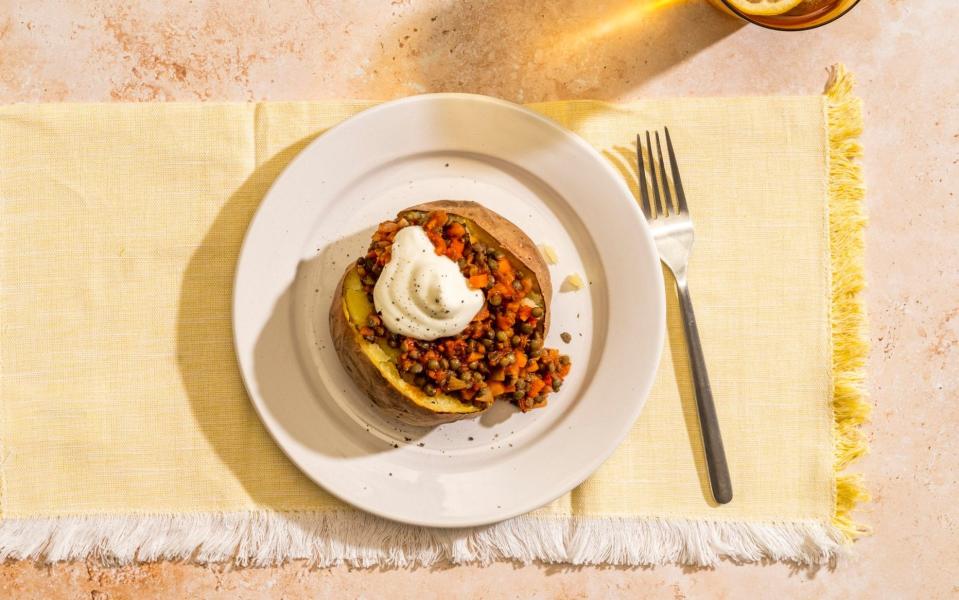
348, 342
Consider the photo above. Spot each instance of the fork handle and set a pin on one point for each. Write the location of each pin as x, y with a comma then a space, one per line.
708, 423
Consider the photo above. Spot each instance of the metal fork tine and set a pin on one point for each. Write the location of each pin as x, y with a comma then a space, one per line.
661, 206
667, 196
677, 182
641, 181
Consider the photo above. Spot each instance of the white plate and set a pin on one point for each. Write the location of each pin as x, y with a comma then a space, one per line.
318, 217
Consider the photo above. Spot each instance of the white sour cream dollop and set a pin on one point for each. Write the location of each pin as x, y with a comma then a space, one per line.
421, 294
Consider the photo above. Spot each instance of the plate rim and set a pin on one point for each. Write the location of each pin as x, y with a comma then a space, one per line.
633, 207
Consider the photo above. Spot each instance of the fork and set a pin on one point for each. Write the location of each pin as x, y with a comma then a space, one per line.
673, 232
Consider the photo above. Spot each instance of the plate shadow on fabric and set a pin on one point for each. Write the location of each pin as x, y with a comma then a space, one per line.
206, 358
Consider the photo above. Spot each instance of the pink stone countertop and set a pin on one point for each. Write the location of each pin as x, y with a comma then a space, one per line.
904, 55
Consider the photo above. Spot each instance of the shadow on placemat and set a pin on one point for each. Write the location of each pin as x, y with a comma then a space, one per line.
205, 355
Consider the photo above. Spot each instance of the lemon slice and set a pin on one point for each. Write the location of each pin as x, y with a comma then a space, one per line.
765, 8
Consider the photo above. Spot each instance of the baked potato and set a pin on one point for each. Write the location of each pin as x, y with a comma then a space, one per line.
500, 352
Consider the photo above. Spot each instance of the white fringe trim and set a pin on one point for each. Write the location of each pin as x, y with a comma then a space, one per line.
324, 539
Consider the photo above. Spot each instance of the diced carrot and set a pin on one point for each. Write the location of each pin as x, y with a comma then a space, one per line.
482, 315
505, 321
502, 290
455, 230
535, 387
524, 312
436, 219
455, 250
521, 359
473, 356
497, 388
468, 393
478, 282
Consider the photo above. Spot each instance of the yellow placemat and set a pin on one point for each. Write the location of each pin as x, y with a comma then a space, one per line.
126, 430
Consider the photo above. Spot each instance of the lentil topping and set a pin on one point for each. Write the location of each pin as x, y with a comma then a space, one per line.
500, 354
